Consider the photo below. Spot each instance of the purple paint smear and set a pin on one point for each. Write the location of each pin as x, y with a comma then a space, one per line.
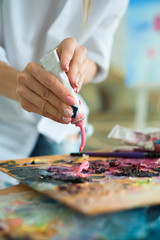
111, 168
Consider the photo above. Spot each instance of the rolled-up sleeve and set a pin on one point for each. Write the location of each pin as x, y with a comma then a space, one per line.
99, 45
3, 56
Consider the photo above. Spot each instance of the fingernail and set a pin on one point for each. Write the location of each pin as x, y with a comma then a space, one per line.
66, 67
66, 120
76, 83
76, 90
70, 100
68, 112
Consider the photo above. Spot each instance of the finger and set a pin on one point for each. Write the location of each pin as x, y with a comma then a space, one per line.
76, 66
67, 49
51, 82
46, 94
28, 106
81, 75
32, 108
80, 80
44, 107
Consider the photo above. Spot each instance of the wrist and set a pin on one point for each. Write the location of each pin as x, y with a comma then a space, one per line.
91, 70
8, 82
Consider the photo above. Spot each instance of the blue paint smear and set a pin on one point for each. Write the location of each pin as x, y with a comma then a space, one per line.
135, 2
126, 225
137, 224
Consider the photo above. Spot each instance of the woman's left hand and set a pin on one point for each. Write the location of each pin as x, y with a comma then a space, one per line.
73, 61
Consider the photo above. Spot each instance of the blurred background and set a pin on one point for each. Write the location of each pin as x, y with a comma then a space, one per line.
130, 96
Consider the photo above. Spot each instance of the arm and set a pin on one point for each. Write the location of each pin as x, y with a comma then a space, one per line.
40, 92
8, 81
36, 91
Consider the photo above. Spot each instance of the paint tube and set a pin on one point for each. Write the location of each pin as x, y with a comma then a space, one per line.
51, 63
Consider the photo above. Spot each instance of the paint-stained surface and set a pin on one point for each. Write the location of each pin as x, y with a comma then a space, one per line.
95, 188
27, 215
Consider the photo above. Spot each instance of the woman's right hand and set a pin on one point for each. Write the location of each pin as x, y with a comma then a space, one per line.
41, 92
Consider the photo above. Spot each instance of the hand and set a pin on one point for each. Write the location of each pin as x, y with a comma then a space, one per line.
40, 92
73, 61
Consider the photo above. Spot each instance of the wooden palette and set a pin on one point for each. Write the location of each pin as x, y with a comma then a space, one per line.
102, 193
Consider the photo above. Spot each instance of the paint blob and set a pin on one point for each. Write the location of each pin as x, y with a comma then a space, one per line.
83, 135
83, 166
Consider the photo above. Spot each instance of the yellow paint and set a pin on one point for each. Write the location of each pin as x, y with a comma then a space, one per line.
37, 160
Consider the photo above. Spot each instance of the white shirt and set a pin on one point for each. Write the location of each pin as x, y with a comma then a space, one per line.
29, 29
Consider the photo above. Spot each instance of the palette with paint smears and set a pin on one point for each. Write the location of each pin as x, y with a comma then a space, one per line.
108, 185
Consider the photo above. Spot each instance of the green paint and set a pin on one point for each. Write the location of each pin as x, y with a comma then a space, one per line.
8, 163
146, 181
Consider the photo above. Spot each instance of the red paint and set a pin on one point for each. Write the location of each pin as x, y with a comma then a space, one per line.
15, 222
79, 122
83, 134
17, 202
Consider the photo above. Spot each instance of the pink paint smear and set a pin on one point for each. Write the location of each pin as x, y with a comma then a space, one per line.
83, 135
84, 165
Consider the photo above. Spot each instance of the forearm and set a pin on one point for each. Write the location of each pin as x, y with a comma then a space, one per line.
91, 71
8, 81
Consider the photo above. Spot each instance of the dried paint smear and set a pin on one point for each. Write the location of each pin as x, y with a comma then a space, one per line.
76, 182
28, 215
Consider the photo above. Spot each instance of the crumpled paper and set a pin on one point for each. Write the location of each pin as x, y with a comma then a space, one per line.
140, 140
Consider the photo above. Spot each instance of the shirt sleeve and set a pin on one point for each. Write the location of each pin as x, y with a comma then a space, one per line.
99, 45
3, 55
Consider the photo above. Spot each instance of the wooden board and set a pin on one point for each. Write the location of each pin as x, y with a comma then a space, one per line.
26, 214
19, 218
101, 193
